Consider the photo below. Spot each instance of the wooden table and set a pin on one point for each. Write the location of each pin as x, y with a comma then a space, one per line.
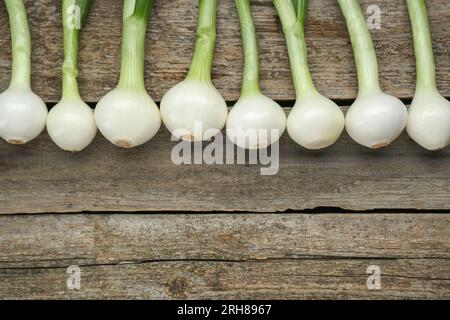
139, 226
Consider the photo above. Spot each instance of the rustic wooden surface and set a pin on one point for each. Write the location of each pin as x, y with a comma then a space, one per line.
141, 227
39, 178
225, 256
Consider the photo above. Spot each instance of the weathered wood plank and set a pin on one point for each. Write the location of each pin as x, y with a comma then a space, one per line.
251, 256
39, 178
40, 241
170, 43
293, 279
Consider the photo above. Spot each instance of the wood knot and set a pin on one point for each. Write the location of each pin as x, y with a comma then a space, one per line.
176, 287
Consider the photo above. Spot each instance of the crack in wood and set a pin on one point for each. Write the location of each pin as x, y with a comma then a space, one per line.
194, 260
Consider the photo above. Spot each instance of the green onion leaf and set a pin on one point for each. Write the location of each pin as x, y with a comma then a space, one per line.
84, 6
301, 9
142, 9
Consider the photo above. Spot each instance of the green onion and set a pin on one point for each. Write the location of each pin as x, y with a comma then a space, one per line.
375, 119
194, 110
22, 113
256, 121
127, 116
315, 122
71, 123
429, 115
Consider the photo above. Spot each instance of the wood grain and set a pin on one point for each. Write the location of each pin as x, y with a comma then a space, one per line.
250, 256
53, 240
291, 279
39, 178
171, 39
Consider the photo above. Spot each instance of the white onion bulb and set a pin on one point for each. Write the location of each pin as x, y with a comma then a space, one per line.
194, 110
255, 122
376, 120
71, 125
22, 115
429, 120
315, 122
127, 118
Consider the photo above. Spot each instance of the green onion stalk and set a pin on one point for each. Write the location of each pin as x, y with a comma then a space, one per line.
127, 116
315, 121
429, 115
22, 112
194, 110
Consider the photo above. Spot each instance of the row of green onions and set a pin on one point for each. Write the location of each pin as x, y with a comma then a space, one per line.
128, 117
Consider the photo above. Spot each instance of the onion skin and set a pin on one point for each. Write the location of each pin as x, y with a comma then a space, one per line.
194, 110
376, 120
71, 125
127, 118
256, 122
22, 115
429, 120
315, 122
